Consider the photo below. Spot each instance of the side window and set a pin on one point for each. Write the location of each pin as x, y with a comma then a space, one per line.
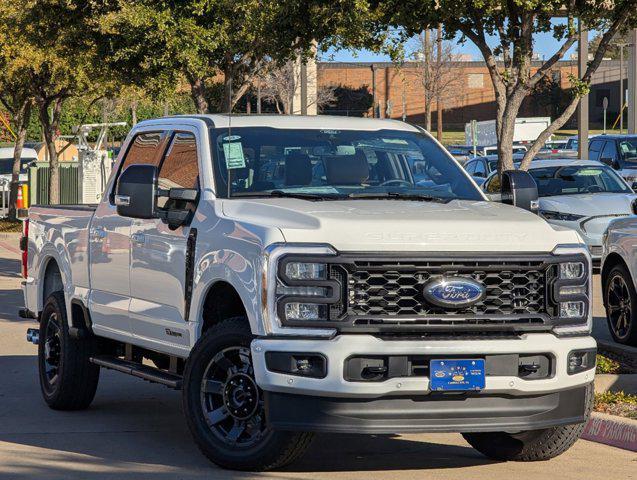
145, 149
610, 151
180, 168
471, 168
594, 149
481, 171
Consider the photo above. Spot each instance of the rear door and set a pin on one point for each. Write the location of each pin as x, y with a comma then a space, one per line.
110, 247
160, 255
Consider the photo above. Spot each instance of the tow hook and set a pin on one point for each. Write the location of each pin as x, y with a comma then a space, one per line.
33, 335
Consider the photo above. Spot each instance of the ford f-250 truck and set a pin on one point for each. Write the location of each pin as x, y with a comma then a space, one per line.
315, 274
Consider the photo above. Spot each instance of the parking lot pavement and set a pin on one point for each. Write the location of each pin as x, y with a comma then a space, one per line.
136, 430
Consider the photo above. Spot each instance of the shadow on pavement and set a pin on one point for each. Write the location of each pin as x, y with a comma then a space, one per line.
10, 268
134, 428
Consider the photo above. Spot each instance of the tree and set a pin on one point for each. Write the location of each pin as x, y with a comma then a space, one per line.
612, 51
278, 85
16, 98
53, 44
435, 70
513, 24
223, 41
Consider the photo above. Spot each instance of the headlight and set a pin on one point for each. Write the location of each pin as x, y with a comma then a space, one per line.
565, 217
571, 270
306, 292
306, 271
571, 291
302, 290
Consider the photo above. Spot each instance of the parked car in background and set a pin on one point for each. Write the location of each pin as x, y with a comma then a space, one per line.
580, 194
462, 153
481, 167
617, 151
556, 144
573, 142
28, 157
619, 276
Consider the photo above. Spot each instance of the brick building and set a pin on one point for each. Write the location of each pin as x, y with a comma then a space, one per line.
398, 91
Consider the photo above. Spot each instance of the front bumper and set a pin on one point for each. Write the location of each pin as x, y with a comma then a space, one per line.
338, 349
406, 404
433, 413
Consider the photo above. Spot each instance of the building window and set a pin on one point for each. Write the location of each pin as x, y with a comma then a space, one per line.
475, 80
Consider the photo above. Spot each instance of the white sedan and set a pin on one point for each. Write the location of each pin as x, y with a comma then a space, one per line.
580, 194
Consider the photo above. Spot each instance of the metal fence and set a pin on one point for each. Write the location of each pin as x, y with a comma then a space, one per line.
4, 199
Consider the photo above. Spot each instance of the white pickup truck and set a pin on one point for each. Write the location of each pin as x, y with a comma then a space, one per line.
315, 274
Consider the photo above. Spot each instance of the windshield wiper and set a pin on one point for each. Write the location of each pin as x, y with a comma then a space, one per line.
397, 196
283, 194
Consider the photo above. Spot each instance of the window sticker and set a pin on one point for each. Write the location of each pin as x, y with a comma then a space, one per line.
588, 172
234, 155
345, 150
397, 141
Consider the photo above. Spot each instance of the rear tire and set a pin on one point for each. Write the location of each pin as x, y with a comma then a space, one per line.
620, 302
224, 407
531, 445
67, 379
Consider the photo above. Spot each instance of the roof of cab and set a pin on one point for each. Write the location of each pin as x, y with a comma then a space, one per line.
294, 121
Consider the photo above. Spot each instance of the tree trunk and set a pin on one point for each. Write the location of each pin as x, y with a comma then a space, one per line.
50, 122
21, 121
428, 110
198, 94
228, 78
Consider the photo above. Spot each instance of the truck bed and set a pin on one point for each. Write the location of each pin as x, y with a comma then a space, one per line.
65, 229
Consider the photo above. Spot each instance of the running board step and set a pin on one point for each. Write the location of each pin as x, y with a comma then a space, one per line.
138, 370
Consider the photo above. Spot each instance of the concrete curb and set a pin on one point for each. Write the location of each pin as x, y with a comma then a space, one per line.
611, 430
625, 382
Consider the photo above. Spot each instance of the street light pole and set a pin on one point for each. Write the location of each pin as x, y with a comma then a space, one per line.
621, 46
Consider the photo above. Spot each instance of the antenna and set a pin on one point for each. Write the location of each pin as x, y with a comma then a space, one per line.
229, 140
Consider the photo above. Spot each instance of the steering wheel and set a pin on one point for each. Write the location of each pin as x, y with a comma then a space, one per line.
395, 181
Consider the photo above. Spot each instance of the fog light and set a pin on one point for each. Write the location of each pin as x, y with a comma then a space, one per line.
305, 311
571, 270
571, 309
306, 271
302, 364
581, 360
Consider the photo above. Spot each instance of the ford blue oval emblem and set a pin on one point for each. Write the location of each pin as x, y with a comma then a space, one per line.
453, 292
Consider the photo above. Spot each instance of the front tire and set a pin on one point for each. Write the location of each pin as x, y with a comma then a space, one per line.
224, 407
67, 378
620, 301
531, 445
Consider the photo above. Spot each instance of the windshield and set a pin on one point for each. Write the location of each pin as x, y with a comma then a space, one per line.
572, 180
336, 164
628, 149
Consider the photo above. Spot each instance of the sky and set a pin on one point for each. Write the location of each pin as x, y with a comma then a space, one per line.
545, 45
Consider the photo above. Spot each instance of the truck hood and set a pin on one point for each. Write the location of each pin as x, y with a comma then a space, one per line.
590, 204
395, 225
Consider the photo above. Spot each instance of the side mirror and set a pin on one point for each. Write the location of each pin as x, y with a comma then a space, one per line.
136, 192
479, 174
634, 187
606, 160
520, 190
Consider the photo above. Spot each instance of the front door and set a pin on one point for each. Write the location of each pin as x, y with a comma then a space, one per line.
159, 255
110, 248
